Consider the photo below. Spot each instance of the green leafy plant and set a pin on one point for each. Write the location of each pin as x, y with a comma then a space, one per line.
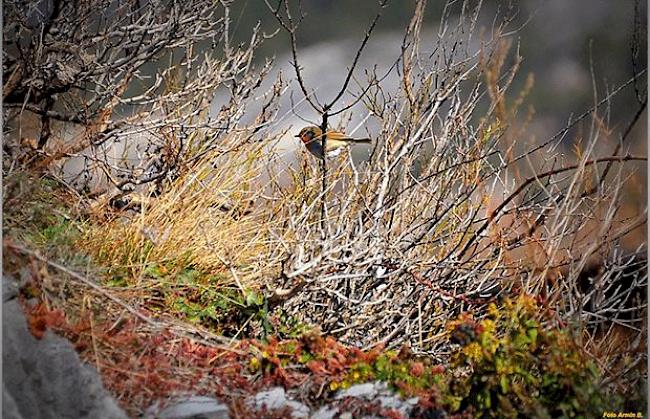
521, 366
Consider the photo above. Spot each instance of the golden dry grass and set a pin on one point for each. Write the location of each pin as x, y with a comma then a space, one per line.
206, 219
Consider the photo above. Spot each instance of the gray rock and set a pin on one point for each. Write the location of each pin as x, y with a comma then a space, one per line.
276, 398
191, 407
9, 408
365, 391
44, 378
325, 412
9, 289
378, 391
395, 403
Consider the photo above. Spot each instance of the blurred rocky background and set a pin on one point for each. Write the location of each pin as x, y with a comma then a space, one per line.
569, 47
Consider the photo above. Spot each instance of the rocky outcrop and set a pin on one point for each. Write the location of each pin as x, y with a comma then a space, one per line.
45, 378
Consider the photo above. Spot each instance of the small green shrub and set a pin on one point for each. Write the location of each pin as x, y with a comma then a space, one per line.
521, 368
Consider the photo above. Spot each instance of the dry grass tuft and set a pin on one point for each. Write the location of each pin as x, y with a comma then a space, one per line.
206, 219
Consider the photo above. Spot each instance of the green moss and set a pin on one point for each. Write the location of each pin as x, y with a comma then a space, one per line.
37, 214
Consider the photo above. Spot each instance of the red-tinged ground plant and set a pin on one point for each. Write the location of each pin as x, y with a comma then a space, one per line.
140, 366
322, 366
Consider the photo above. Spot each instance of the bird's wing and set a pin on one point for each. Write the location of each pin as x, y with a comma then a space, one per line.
338, 136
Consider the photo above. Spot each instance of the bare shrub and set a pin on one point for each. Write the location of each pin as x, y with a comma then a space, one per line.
445, 215
120, 92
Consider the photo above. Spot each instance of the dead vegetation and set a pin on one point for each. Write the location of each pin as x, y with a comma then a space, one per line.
186, 228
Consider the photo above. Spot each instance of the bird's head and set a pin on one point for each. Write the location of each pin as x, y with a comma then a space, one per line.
308, 134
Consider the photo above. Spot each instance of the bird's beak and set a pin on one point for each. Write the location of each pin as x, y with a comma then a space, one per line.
297, 135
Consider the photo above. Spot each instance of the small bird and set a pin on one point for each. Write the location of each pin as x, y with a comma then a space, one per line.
312, 138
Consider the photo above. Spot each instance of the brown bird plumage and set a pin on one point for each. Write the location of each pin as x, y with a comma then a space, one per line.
312, 137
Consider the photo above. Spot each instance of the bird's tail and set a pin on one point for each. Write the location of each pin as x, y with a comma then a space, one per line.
348, 140
339, 136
